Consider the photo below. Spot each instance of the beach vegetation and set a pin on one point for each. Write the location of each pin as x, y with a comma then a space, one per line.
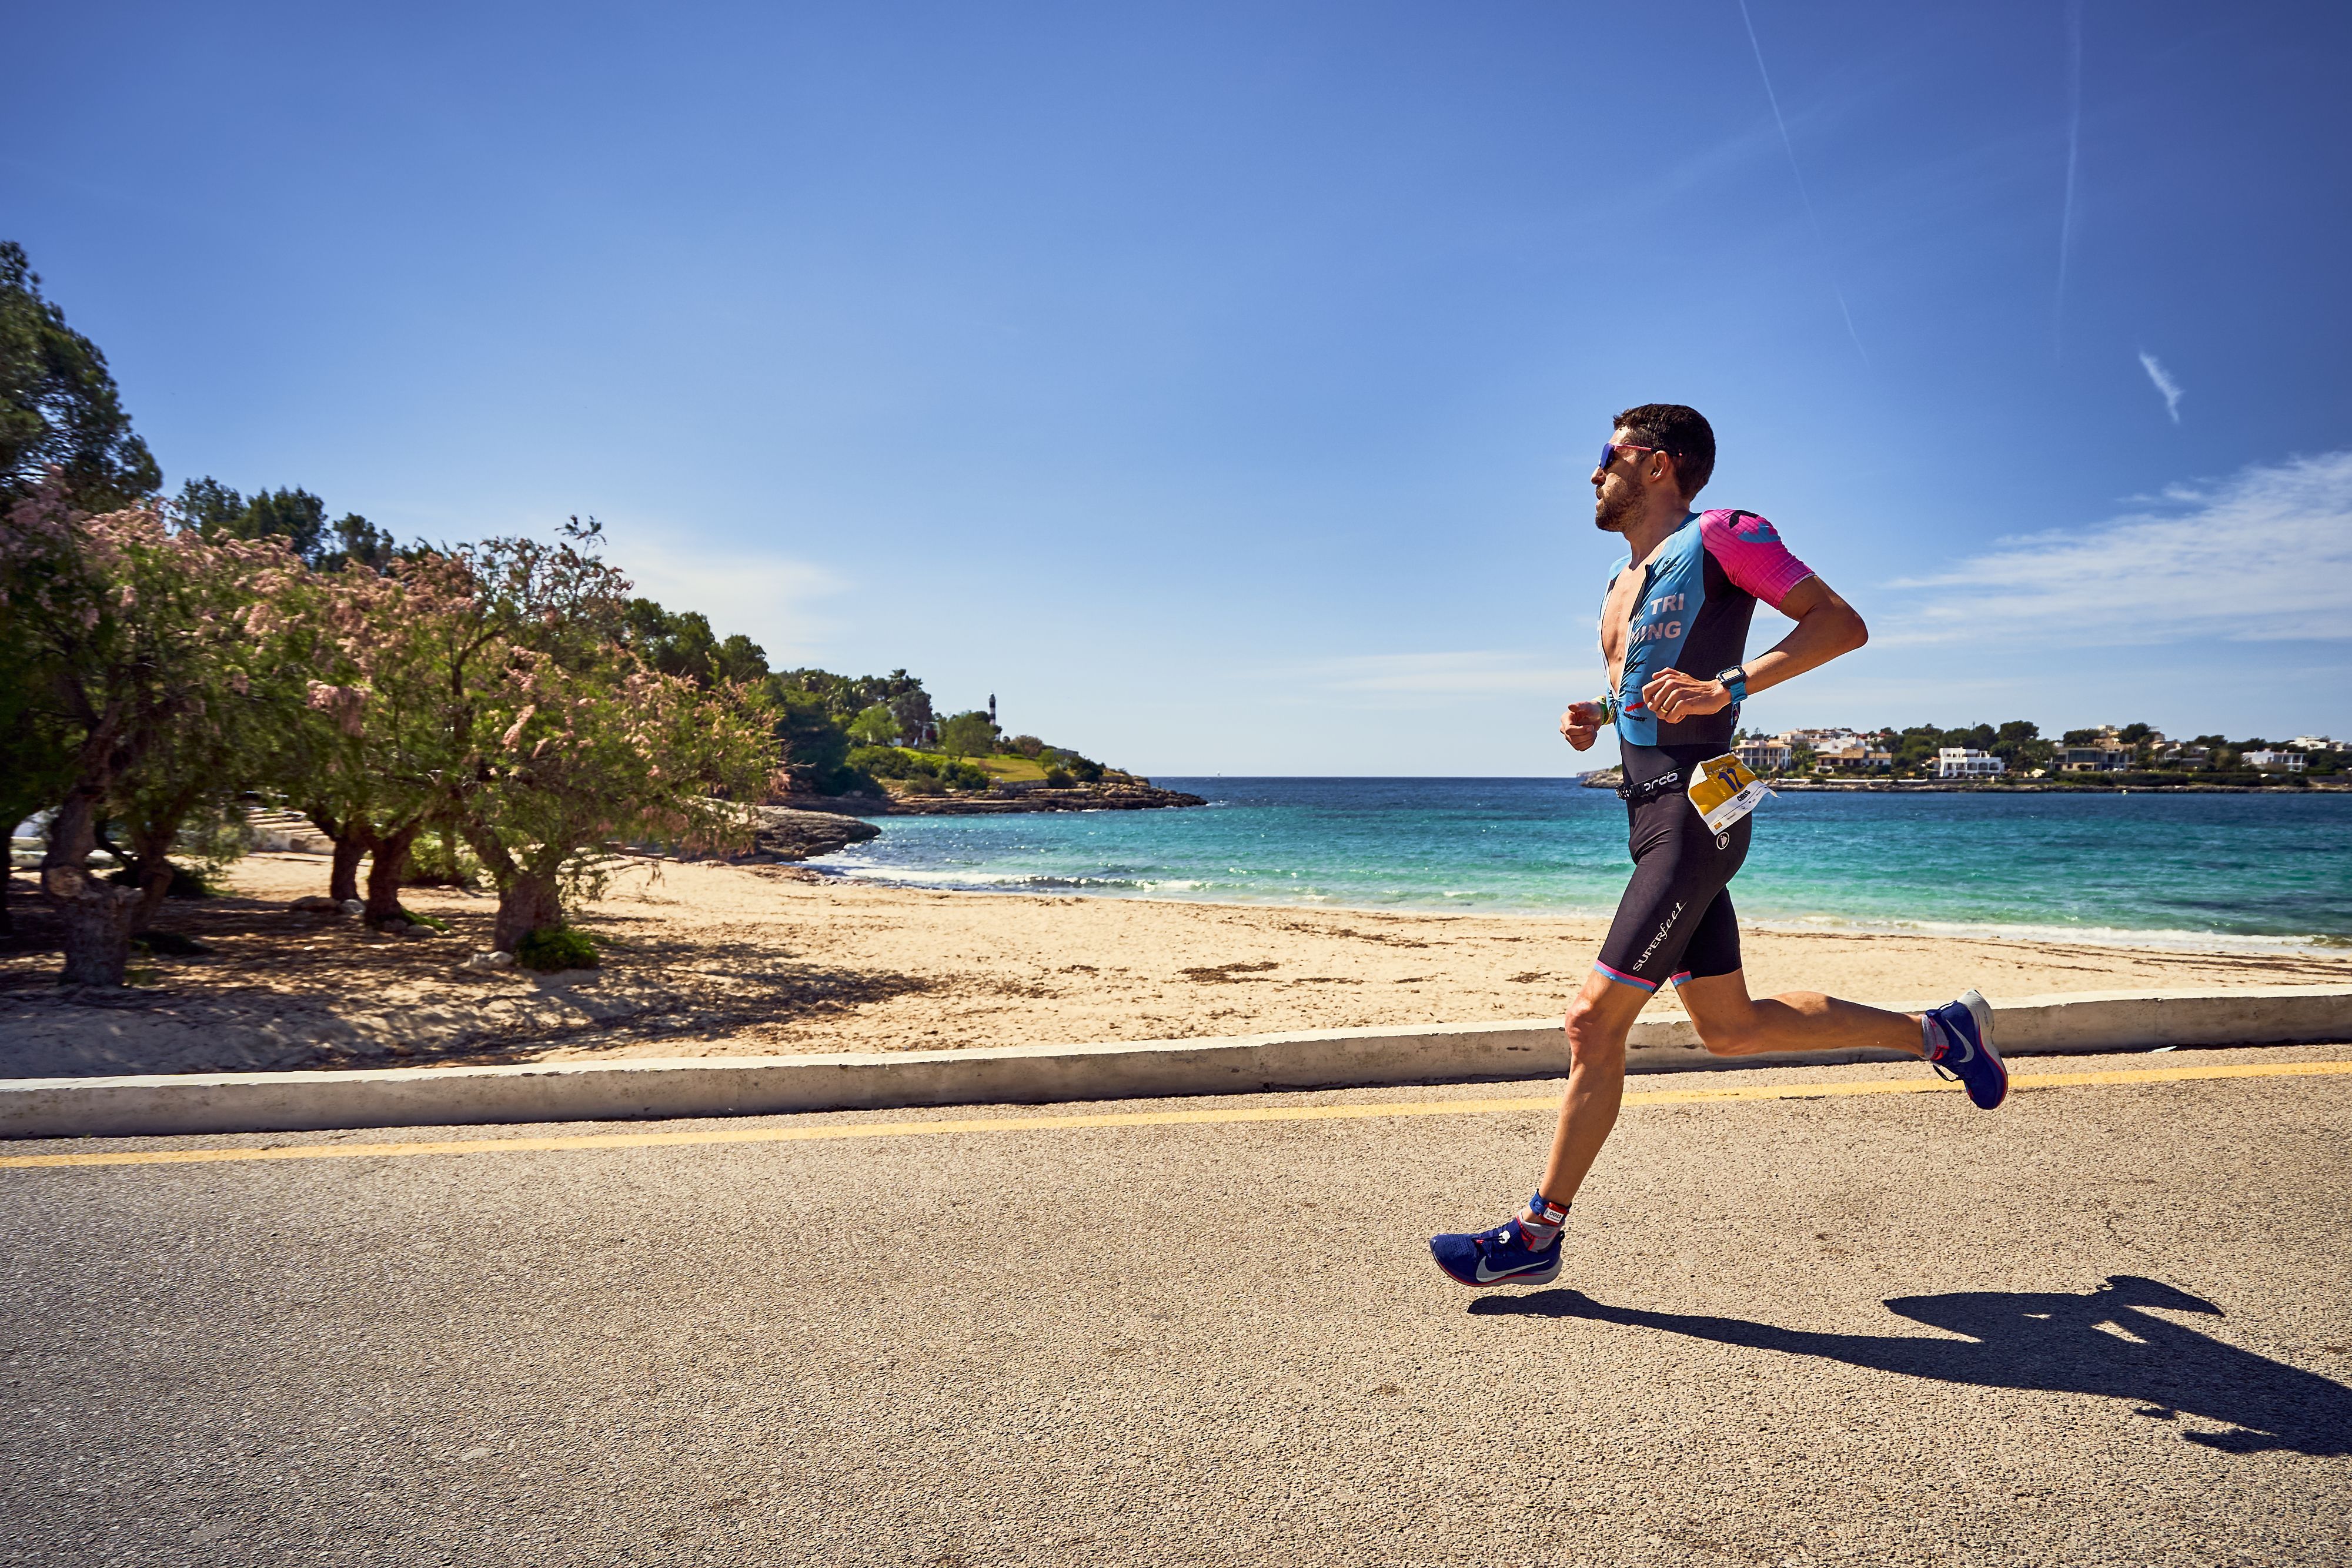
875, 725
969, 734
556, 948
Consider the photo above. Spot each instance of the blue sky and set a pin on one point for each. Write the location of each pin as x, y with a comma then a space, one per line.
1217, 385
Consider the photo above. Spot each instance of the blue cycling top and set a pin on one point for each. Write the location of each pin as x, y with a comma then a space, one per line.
1699, 592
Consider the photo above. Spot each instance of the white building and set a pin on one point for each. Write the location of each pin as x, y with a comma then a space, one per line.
1962, 762
2284, 761
1764, 756
2316, 743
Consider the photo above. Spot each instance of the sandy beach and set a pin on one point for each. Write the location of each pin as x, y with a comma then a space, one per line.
716, 960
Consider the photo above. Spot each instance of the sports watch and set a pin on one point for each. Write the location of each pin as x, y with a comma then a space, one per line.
1735, 681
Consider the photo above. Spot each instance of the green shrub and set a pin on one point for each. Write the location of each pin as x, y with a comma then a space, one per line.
881, 761
169, 945
1058, 779
558, 947
440, 860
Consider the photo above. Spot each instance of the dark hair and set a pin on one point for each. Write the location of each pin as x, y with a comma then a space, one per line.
1681, 433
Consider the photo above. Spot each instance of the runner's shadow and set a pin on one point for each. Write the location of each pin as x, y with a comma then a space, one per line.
2052, 1341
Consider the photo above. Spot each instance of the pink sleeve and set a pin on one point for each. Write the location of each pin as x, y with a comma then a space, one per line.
1752, 554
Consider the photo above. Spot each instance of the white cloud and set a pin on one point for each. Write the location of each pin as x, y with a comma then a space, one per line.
765, 597
1480, 673
2265, 556
2164, 383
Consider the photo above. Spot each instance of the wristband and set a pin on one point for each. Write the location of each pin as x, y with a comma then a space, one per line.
1608, 710
1735, 681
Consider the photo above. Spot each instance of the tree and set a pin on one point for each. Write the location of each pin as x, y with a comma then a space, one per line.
58, 407
216, 511
875, 725
912, 708
815, 745
562, 738
2020, 746
969, 734
392, 657
1028, 746
155, 661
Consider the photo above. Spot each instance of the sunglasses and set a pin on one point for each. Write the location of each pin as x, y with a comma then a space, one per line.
1610, 449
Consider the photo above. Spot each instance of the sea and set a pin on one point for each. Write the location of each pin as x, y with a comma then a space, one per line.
2198, 872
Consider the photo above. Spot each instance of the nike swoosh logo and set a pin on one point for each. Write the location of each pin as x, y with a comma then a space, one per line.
1964, 1045
1489, 1278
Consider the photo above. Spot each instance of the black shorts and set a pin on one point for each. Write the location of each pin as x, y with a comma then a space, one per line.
1675, 922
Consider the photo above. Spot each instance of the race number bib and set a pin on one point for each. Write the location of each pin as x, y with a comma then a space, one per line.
1725, 792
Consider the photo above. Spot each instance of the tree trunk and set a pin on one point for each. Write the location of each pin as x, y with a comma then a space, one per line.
8, 886
97, 916
385, 872
150, 844
343, 876
528, 902
350, 841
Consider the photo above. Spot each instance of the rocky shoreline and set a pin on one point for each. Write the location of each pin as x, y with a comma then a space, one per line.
1137, 796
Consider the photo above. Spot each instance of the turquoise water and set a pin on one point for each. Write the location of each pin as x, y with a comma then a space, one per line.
2204, 870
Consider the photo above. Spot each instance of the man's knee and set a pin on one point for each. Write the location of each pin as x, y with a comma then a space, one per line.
1592, 1037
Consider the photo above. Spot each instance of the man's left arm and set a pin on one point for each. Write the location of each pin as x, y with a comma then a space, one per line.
1826, 626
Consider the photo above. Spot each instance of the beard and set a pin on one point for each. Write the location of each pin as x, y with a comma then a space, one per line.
1613, 511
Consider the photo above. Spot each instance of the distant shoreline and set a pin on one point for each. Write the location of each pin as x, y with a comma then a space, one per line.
1607, 778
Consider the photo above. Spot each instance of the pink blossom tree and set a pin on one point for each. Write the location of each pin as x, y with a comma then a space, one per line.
156, 652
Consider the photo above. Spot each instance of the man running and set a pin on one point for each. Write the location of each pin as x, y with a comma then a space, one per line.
1674, 633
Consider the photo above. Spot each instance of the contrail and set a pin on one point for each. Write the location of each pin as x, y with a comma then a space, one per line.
1774, 99
2074, 149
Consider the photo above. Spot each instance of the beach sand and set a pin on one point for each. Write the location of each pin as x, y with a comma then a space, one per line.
716, 960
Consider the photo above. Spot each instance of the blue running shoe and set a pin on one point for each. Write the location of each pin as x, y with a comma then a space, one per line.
1969, 1058
1496, 1256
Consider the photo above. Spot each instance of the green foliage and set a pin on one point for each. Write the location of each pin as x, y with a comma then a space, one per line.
680, 643
218, 512
847, 696
557, 947
816, 744
1085, 771
58, 406
925, 772
1028, 746
441, 859
1058, 779
969, 734
875, 725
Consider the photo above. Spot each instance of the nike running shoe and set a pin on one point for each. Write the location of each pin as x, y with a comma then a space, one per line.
1496, 1256
1969, 1056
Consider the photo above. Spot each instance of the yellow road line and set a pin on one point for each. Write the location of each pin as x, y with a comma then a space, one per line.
836, 1130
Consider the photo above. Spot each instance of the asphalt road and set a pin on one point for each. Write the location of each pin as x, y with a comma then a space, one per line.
2103, 1324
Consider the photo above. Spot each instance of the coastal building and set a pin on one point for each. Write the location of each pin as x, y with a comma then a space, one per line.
1764, 756
1818, 740
2316, 743
2274, 761
2098, 758
2180, 754
1855, 755
1965, 762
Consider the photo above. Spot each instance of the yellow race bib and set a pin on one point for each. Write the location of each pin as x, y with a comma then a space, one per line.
1725, 792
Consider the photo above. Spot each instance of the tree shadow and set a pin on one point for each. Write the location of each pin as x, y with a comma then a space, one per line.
2094, 1343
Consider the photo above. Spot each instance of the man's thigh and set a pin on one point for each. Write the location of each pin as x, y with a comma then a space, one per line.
1682, 871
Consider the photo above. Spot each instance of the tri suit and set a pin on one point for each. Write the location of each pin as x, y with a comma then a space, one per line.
1699, 590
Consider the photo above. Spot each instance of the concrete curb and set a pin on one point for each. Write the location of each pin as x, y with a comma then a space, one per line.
645, 1088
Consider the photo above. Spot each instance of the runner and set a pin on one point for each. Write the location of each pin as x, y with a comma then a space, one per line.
1674, 633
